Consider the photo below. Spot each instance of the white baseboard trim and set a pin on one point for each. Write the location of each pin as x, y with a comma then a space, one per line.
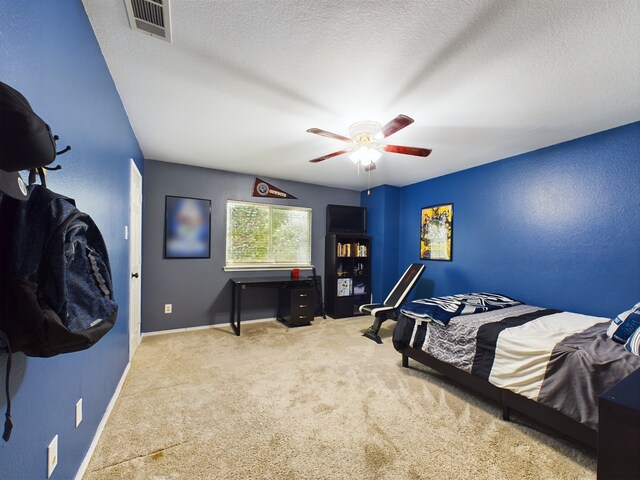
87, 458
206, 327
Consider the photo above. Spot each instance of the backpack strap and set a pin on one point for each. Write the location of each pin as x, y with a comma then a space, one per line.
8, 422
7, 213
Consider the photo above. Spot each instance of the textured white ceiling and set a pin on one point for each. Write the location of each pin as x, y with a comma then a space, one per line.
243, 80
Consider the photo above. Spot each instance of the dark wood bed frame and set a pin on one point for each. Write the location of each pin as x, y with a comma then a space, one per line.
508, 400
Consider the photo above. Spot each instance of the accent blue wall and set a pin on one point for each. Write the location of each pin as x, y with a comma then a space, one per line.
382, 206
50, 54
557, 227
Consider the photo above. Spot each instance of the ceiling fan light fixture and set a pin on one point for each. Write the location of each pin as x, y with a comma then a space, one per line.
365, 155
366, 129
366, 136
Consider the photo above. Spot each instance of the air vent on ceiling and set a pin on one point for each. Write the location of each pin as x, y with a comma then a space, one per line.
150, 17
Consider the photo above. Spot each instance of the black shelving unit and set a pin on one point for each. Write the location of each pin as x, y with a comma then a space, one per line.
347, 270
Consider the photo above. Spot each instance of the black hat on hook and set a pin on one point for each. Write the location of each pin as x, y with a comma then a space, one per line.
26, 141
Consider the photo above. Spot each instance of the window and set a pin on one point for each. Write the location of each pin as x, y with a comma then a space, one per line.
267, 236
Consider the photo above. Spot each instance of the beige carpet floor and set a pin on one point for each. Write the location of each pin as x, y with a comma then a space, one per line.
318, 402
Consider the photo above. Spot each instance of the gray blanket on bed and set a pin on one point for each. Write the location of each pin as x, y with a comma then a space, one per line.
582, 367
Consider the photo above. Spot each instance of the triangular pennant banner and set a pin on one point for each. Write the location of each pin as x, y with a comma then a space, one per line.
265, 189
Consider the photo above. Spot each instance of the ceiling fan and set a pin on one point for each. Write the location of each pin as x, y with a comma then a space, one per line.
366, 142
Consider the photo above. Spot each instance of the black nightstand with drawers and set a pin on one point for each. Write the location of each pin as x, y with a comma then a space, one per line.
619, 431
297, 305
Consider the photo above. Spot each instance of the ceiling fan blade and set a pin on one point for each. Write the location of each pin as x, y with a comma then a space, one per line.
329, 155
396, 124
418, 152
324, 133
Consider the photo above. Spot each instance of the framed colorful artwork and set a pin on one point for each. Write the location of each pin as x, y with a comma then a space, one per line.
436, 232
187, 227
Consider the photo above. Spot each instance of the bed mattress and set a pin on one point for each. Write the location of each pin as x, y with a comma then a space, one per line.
561, 359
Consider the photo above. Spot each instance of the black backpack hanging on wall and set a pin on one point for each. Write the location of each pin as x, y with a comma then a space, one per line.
56, 289
56, 293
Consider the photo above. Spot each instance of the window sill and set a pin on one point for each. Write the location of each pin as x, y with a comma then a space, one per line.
258, 268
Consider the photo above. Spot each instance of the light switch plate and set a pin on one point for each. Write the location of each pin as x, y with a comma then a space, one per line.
52, 456
78, 412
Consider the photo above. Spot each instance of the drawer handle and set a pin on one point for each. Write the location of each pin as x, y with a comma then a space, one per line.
303, 294
302, 316
302, 306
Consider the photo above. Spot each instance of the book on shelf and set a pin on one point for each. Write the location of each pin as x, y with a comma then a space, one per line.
348, 250
361, 250
344, 249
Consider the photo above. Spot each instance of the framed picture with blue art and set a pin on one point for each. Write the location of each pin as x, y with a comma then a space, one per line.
187, 227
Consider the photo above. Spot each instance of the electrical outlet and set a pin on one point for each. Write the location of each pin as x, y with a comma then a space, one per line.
168, 308
52, 456
78, 412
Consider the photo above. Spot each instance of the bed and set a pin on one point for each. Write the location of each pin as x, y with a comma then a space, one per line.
548, 364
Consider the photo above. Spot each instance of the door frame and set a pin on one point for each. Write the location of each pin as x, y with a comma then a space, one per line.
135, 314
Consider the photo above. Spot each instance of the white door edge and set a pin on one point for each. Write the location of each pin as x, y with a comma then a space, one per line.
135, 258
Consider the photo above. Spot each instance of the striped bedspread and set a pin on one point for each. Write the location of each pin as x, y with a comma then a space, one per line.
561, 359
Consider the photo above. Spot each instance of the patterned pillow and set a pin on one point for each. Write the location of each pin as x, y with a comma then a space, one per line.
633, 344
623, 326
442, 309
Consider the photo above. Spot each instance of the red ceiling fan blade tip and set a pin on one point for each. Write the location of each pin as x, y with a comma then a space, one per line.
329, 155
416, 151
396, 124
324, 133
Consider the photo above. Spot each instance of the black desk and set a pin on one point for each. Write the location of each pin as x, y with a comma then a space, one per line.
240, 284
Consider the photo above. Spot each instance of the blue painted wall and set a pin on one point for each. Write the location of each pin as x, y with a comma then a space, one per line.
557, 227
50, 54
382, 205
